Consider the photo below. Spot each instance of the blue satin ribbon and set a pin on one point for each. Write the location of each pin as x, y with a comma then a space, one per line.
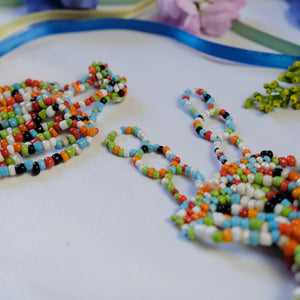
221, 51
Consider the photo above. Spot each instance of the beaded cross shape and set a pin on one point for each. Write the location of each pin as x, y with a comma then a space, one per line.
252, 201
36, 116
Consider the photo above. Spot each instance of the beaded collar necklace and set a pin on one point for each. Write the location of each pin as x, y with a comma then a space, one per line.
252, 201
36, 117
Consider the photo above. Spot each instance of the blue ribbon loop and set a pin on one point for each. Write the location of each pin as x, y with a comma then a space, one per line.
239, 55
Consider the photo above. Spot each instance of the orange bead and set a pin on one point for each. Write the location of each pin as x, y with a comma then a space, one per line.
285, 229
247, 172
244, 152
135, 159
231, 171
293, 176
83, 129
226, 167
18, 147
207, 188
296, 232
295, 222
252, 213
99, 94
205, 207
200, 191
92, 131
165, 149
202, 214
235, 165
296, 193
128, 130
4, 143
53, 132
244, 160
196, 122
23, 128
150, 172
174, 163
64, 155
234, 139
195, 217
288, 248
227, 238
116, 149
162, 173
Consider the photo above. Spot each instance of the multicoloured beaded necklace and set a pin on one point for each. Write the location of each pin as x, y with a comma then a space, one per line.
36, 116
252, 201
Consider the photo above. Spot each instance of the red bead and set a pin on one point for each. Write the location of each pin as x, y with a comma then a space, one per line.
58, 119
187, 219
77, 106
183, 167
35, 83
109, 76
219, 155
189, 211
48, 101
223, 172
74, 123
181, 199
284, 186
66, 87
28, 82
200, 91
105, 66
49, 162
75, 132
175, 191
208, 135
235, 181
18, 137
243, 212
18, 98
291, 160
210, 106
283, 161
35, 106
30, 124
177, 159
191, 204
67, 105
186, 97
4, 152
268, 172
56, 127
3, 163
271, 194
222, 111
78, 82
294, 208
35, 140
261, 170
90, 82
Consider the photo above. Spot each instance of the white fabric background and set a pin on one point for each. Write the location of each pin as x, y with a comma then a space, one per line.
95, 228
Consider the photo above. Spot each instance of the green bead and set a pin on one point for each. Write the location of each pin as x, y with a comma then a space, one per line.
3, 134
11, 114
176, 196
9, 161
238, 141
156, 174
24, 150
20, 119
222, 199
214, 193
199, 197
133, 129
70, 137
259, 178
265, 189
111, 146
50, 124
41, 136
107, 141
217, 236
217, 112
297, 250
277, 181
256, 186
179, 169
239, 171
297, 259
139, 154
174, 218
42, 114
169, 176
244, 178
47, 135
86, 85
4, 115
229, 130
286, 211
255, 224
222, 192
193, 111
23, 85
190, 233
198, 203
71, 151
227, 198
42, 103
121, 152
16, 130
179, 222
69, 122
145, 170
209, 221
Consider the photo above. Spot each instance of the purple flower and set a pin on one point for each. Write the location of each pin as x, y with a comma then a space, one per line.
212, 17
38, 5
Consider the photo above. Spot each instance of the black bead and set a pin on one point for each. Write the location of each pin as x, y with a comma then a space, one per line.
254, 156
198, 129
1, 128
270, 154
278, 198
101, 67
224, 208
223, 161
20, 169
145, 149
33, 99
55, 107
112, 83
263, 153
14, 92
200, 116
206, 97
216, 149
57, 158
277, 172
103, 100
160, 149
225, 115
35, 168
39, 128
37, 120
31, 149
73, 118
27, 136
269, 206
85, 119
121, 93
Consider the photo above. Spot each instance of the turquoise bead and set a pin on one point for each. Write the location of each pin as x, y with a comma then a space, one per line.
28, 164
4, 171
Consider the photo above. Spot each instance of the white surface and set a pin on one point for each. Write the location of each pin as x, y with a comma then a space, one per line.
95, 228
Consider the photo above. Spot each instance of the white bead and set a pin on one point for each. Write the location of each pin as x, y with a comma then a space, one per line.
184, 227
222, 186
245, 236
251, 178
27, 108
282, 240
17, 158
104, 92
241, 188
281, 219
99, 75
78, 150
233, 188
236, 177
196, 209
63, 125
10, 139
28, 89
267, 180
219, 219
296, 293
257, 165
285, 173
259, 159
251, 204
264, 227
260, 204
46, 145
235, 209
138, 163
35, 89
272, 165
298, 182
207, 195
265, 239
199, 184
258, 194
244, 201
236, 233
296, 203
64, 141
213, 137
278, 209
141, 168
250, 192
81, 103
52, 142
121, 85
297, 164
265, 165
50, 112
80, 124
82, 87
27, 117
116, 88
62, 107
209, 231
1, 157
9, 131
10, 149
68, 94
168, 153
181, 213
224, 180
11, 170
164, 181
67, 116
44, 126
199, 230
26, 97
7, 94
243, 166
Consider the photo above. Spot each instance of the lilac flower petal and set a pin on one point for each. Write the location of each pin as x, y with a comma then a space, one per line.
187, 6
192, 24
223, 6
82, 4
169, 8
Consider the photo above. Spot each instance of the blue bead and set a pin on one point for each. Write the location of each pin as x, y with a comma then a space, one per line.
100, 106
115, 78
200, 221
137, 131
59, 144
275, 234
270, 217
173, 169
132, 152
171, 157
236, 221
192, 224
155, 147
254, 238
184, 204
261, 216
228, 191
184, 101
123, 128
13, 122
222, 157
4, 171
252, 160
267, 158
42, 164
206, 200
82, 143
33, 132
245, 224
227, 223
273, 225
229, 178
211, 100
213, 207
187, 92
202, 132
292, 215
39, 97
38, 146
204, 93
28, 164
195, 115
150, 148
187, 170
292, 185
184, 233
196, 175
235, 198
214, 200
190, 107
286, 202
